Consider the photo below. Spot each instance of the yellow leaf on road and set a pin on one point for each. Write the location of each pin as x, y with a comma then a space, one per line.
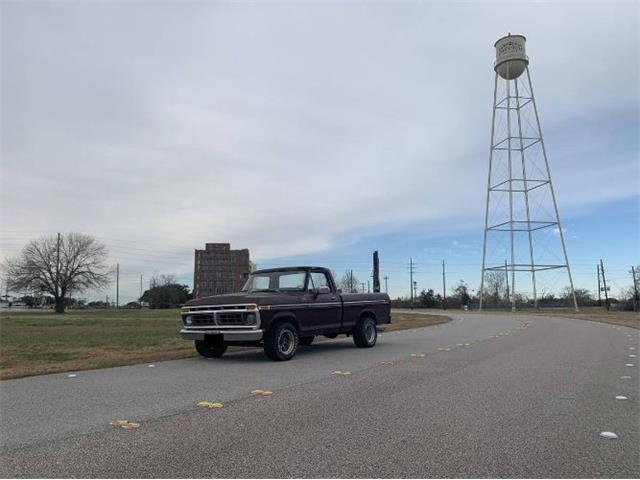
216, 405
257, 390
267, 393
126, 424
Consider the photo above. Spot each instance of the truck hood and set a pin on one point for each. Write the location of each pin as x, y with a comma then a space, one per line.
261, 298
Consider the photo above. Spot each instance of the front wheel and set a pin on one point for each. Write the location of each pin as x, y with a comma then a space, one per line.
366, 333
281, 342
210, 351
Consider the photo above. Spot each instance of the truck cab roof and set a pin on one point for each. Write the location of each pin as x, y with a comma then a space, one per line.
290, 269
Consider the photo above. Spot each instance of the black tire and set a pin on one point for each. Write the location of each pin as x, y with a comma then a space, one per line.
281, 342
210, 351
306, 341
366, 333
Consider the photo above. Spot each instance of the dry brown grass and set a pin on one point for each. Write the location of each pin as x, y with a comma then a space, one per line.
626, 319
406, 319
594, 314
36, 342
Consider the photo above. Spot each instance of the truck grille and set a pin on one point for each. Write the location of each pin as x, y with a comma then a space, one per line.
230, 318
202, 319
220, 318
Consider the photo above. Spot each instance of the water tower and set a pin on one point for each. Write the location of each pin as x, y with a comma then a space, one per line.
522, 230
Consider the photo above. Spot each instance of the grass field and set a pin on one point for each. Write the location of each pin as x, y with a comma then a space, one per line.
34, 342
406, 319
594, 314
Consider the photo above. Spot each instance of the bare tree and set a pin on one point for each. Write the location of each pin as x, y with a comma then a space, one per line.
348, 283
494, 284
59, 265
162, 280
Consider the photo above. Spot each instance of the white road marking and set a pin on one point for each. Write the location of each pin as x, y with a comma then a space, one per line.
72, 375
625, 377
621, 397
608, 435
632, 348
151, 366
630, 365
632, 356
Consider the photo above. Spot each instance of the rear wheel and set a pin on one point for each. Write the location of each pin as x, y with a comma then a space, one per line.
306, 341
281, 342
210, 351
366, 333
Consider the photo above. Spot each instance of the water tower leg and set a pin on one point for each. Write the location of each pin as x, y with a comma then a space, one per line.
526, 197
486, 212
553, 194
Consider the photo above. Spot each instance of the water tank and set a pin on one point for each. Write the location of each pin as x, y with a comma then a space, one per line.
511, 58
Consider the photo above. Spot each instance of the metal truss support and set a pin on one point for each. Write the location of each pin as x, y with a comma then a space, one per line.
516, 144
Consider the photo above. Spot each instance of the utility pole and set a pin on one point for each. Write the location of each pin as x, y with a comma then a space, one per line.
386, 289
444, 288
351, 282
415, 289
57, 265
362, 285
599, 286
506, 274
411, 270
368, 286
117, 285
140, 299
636, 299
604, 282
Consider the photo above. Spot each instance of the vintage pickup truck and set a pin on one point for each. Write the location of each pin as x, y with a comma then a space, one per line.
281, 308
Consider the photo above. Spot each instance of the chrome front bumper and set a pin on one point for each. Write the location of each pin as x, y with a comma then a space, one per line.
227, 335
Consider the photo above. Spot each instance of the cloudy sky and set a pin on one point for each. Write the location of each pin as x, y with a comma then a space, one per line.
308, 132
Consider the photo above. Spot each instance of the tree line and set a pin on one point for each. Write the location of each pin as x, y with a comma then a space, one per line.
56, 267
53, 268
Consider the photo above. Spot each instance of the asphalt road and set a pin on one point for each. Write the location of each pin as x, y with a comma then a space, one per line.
528, 397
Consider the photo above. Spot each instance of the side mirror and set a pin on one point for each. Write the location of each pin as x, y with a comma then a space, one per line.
323, 290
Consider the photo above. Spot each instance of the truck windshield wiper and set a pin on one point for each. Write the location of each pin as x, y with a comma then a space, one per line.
264, 290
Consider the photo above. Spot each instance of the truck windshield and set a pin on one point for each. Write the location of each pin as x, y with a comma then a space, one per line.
285, 281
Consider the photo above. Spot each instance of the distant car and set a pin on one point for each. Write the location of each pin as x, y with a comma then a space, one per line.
280, 309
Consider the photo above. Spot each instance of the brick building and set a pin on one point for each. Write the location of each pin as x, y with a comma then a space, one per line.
218, 269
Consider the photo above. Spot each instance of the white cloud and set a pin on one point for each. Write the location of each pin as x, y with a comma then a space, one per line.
283, 127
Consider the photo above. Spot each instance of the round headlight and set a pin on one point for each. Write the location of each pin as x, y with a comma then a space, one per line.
187, 320
251, 318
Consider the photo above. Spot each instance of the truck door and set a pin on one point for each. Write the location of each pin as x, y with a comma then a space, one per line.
326, 312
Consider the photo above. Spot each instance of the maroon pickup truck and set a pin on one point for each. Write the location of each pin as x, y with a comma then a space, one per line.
281, 308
